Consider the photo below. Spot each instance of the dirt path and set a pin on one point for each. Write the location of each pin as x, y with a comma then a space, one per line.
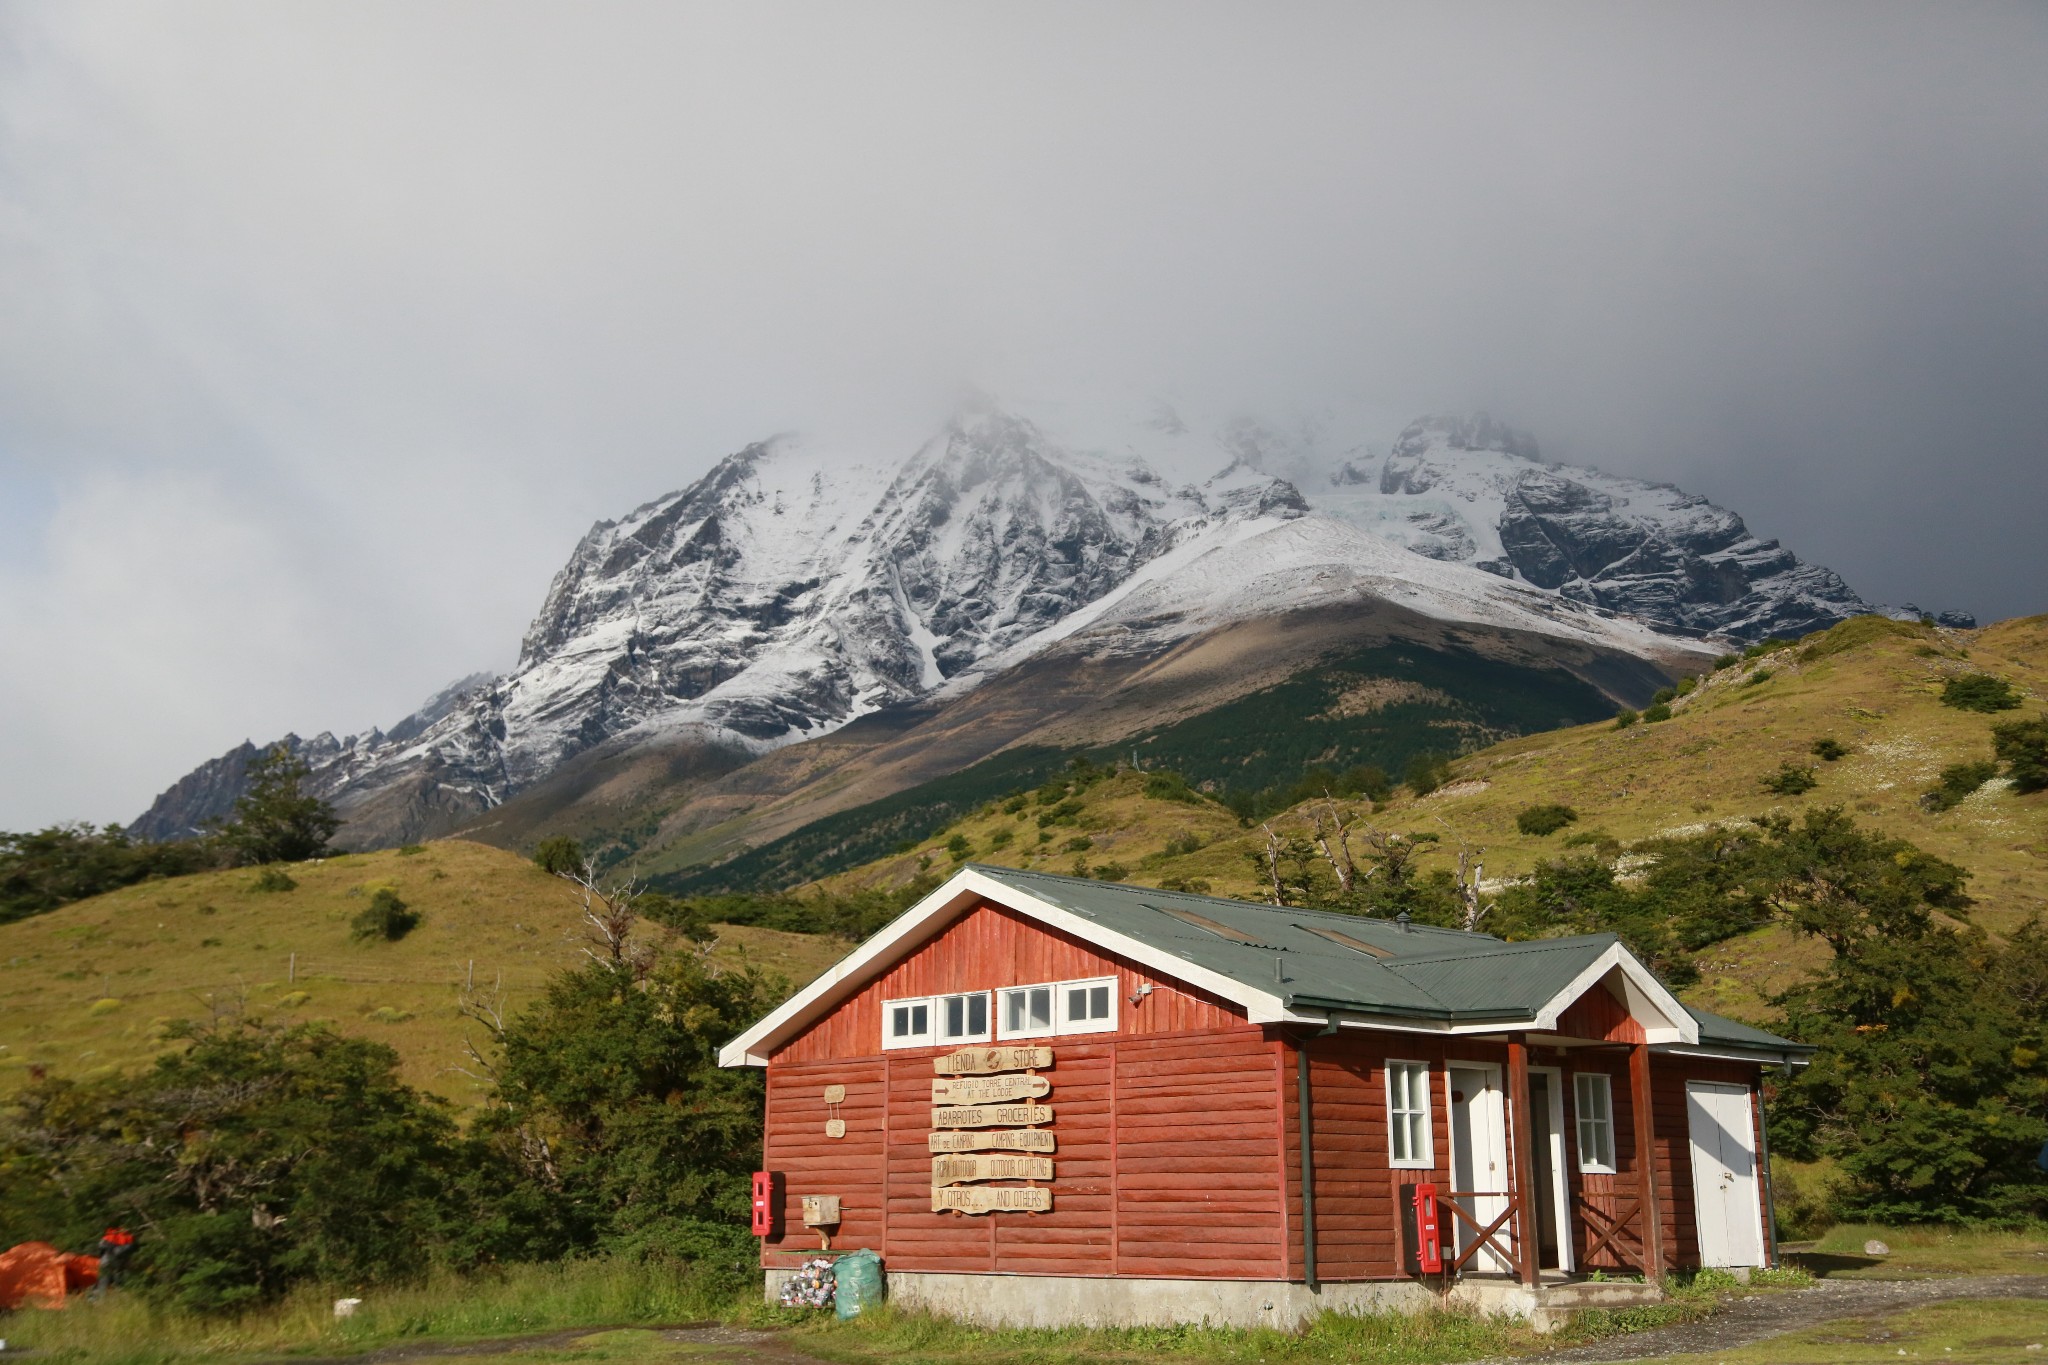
1752, 1318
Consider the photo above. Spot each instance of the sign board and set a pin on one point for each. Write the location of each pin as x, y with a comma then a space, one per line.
821, 1210
991, 1115
835, 1128
1014, 1199
1003, 1140
955, 1170
985, 1061
989, 1089
835, 1094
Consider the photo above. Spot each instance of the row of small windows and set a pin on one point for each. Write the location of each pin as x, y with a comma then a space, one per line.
1039, 1011
1411, 1145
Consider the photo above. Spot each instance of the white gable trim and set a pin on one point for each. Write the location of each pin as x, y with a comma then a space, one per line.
1646, 999
924, 920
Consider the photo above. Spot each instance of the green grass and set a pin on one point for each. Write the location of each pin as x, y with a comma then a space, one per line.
1927, 1251
1961, 1332
87, 989
917, 1339
125, 1330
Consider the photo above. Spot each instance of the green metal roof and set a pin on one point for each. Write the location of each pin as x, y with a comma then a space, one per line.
1715, 1028
1411, 971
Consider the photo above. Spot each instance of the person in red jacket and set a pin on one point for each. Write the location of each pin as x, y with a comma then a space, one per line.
116, 1245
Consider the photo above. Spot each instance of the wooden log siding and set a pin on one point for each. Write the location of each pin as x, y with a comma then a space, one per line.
1178, 1135
989, 948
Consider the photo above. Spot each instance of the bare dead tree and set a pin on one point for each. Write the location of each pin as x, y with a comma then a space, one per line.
608, 920
1339, 858
486, 1008
1272, 864
1471, 868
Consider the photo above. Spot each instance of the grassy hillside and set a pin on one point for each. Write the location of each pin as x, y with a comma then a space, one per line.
89, 987
1873, 686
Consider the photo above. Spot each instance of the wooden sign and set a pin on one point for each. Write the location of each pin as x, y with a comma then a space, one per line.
835, 1128
985, 1061
956, 1170
821, 1210
989, 1089
991, 1115
835, 1094
1003, 1140
1010, 1199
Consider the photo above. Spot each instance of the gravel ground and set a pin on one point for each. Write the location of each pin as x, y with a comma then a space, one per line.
1755, 1317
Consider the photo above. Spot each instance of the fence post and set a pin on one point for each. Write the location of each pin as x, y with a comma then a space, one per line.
291, 972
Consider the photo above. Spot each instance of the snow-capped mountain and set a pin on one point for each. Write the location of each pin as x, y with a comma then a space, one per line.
1472, 491
801, 584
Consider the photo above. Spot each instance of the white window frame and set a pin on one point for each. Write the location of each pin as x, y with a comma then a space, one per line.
931, 1018
1603, 1123
1028, 1030
941, 1038
1419, 1092
1065, 1023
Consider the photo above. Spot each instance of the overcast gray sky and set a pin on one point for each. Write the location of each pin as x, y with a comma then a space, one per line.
326, 329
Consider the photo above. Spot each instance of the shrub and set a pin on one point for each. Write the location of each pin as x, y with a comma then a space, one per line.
1958, 781
1625, 718
1015, 805
1660, 711
2023, 746
1727, 661
412, 849
1790, 780
1426, 772
1544, 820
560, 856
273, 878
1167, 785
1762, 675
1111, 872
1002, 838
1828, 750
1080, 843
1686, 686
387, 917
1664, 694
1979, 692
1193, 886
1183, 843
958, 848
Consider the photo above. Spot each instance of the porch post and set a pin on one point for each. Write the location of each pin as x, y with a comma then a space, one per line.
1646, 1161
1528, 1238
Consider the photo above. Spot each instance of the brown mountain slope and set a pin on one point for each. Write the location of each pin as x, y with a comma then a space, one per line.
675, 808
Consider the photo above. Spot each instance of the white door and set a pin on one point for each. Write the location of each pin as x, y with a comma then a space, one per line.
1728, 1209
1479, 1161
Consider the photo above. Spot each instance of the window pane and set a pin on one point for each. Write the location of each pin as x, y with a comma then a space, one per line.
899, 1024
1098, 1002
920, 1020
1077, 1004
1415, 1136
956, 1015
1041, 1007
977, 1014
1013, 1011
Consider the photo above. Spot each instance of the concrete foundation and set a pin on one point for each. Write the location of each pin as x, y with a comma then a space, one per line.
1105, 1301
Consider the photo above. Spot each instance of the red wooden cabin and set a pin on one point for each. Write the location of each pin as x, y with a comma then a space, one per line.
1164, 1049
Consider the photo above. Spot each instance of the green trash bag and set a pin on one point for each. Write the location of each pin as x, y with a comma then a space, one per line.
859, 1283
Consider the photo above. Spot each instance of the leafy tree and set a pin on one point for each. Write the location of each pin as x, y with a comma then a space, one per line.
1625, 718
1426, 772
2023, 747
612, 1106
1979, 692
1790, 780
257, 1158
386, 917
559, 856
1544, 820
1957, 783
959, 849
275, 821
1659, 712
43, 870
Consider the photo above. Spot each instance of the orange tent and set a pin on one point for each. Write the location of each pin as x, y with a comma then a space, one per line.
37, 1274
